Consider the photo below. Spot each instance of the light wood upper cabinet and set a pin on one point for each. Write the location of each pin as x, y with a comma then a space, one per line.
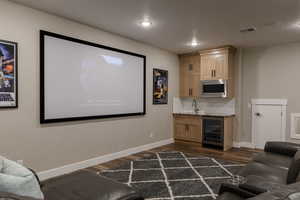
213, 64
209, 63
216, 63
195, 85
190, 76
221, 66
184, 80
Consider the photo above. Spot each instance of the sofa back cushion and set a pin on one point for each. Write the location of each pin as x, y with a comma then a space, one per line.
294, 169
17, 179
283, 148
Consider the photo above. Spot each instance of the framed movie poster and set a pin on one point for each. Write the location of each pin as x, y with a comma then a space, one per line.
8, 74
160, 86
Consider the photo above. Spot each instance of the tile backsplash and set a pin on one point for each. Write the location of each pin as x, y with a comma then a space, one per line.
207, 105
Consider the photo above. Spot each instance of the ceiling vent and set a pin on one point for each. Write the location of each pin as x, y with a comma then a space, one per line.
248, 30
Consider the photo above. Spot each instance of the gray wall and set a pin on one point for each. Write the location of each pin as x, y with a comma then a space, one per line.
50, 146
270, 72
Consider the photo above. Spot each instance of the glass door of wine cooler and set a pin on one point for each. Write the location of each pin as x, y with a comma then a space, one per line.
213, 130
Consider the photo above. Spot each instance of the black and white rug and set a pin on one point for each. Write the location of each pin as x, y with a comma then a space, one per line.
174, 175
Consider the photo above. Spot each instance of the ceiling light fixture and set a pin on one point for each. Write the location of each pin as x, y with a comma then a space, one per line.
194, 43
146, 23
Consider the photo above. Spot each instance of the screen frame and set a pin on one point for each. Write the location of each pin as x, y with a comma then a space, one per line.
43, 119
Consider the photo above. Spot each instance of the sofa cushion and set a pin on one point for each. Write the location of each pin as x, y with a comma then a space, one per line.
294, 168
262, 183
17, 179
267, 173
87, 185
274, 160
287, 192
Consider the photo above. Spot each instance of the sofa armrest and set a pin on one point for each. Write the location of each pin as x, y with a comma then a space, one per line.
225, 187
283, 148
253, 189
37, 177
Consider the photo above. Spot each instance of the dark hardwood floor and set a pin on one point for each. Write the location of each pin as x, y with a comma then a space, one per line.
242, 155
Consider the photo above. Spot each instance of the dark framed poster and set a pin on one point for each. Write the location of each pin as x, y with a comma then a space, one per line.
160, 86
8, 74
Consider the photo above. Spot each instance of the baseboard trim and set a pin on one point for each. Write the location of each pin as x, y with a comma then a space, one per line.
243, 144
43, 175
236, 144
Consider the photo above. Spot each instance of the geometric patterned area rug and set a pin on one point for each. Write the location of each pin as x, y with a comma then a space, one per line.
174, 175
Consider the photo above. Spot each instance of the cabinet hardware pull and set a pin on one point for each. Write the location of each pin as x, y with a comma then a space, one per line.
212, 73
191, 91
191, 67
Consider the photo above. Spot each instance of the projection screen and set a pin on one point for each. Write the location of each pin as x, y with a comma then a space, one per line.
83, 80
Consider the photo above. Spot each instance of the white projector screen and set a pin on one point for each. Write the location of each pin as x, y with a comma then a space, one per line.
82, 80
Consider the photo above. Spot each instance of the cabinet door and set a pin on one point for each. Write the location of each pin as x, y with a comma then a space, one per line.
195, 133
190, 76
195, 64
207, 67
180, 131
195, 77
195, 85
221, 67
184, 78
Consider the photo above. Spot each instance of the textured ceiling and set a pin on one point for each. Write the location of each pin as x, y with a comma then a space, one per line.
177, 22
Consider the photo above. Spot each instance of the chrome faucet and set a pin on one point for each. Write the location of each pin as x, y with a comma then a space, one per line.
195, 106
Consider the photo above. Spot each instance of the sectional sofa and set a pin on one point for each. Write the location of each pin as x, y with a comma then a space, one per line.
272, 175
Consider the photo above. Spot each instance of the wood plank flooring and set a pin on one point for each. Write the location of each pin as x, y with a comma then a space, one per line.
242, 155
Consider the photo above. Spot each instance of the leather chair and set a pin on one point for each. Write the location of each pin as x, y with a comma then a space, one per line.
275, 169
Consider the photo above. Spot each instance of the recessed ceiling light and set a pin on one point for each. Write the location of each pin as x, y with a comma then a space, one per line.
194, 43
146, 23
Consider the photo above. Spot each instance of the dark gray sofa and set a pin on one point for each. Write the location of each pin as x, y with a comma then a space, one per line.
85, 185
273, 174
81, 185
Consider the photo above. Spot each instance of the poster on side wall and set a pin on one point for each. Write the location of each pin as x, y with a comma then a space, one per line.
8, 74
160, 86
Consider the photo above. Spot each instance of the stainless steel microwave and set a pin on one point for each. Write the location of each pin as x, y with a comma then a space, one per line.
214, 88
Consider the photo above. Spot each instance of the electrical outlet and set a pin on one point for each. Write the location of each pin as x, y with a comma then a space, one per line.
151, 135
20, 162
